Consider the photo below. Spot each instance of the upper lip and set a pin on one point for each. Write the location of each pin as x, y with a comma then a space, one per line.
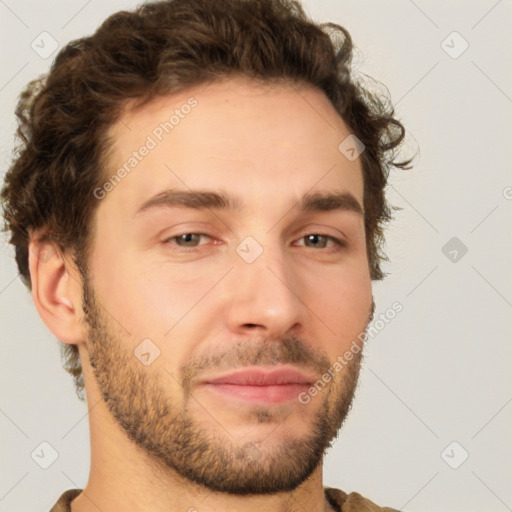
260, 376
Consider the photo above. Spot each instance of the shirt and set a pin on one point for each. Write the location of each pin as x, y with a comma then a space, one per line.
340, 501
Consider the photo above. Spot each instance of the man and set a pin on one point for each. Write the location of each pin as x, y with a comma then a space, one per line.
198, 210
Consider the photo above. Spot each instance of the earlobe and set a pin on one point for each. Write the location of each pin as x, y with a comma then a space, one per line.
56, 291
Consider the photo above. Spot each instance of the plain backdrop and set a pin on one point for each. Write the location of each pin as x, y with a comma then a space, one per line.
430, 427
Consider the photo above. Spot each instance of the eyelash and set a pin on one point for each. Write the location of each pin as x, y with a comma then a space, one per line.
339, 244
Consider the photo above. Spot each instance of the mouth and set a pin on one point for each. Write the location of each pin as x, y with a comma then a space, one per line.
269, 385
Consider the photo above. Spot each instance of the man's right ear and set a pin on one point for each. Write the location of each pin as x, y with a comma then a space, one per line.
56, 290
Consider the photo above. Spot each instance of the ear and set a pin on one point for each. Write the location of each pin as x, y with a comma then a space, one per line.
56, 290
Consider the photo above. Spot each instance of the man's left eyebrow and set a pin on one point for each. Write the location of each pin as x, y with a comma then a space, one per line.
324, 202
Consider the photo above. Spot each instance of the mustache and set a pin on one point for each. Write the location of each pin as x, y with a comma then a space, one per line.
257, 351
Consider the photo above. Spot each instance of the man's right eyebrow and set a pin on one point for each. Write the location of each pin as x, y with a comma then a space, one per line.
196, 199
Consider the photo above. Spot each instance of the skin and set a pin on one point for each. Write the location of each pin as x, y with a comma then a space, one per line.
302, 302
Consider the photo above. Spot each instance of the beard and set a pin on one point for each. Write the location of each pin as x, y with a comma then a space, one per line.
177, 443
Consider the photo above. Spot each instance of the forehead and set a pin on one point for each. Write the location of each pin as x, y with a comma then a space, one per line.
263, 140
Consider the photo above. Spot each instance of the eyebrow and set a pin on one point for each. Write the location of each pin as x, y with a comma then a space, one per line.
199, 199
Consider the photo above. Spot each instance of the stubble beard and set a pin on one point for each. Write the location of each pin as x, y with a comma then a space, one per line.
177, 443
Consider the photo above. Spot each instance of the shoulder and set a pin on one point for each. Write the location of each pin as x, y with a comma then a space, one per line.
352, 502
64, 503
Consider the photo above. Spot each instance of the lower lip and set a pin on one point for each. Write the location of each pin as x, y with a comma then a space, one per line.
260, 394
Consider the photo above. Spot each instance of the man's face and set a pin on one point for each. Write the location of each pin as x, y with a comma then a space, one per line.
216, 290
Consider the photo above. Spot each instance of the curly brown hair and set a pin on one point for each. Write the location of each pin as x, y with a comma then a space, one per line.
158, 49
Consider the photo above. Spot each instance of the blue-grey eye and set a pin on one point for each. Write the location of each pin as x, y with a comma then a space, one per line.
188, 239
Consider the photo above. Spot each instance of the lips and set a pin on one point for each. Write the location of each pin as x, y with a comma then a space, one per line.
263, 377
258, 385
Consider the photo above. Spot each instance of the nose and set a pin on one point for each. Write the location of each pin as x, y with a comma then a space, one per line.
263, 297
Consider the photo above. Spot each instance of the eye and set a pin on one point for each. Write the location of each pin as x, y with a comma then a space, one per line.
313, 240
187, 240
319, 241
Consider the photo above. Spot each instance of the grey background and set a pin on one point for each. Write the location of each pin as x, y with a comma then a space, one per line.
439, 372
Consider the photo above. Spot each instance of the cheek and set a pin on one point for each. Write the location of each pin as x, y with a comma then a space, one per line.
342, 301
160, 302
126, 294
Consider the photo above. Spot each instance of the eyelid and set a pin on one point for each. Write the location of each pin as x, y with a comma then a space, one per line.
318, 228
